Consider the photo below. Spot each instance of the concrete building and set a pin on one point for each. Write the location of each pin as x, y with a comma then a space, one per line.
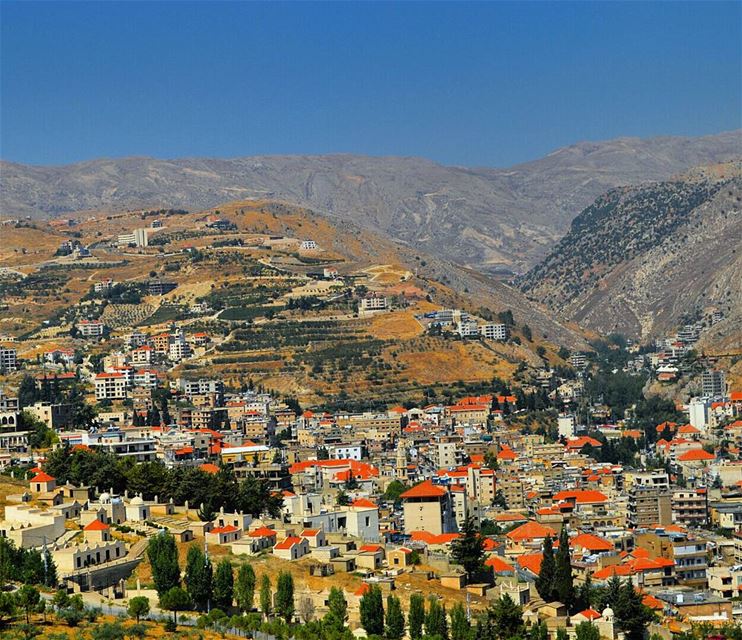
491, 331
649, 500
713, 383
428, 507
138, 238
8, 360
690, 507
90, 328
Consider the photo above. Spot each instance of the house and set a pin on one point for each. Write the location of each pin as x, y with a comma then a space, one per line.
428, 507
400, 557
223, 535
315, 537
291, 548
42, 483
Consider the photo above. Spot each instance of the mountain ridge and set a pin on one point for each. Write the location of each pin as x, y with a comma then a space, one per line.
489, 219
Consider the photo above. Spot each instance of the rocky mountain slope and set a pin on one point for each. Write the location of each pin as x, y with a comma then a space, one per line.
487, 219
641, 260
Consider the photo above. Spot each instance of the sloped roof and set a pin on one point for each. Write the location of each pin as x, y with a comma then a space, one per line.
591, 542
580, 496
42, 477
531, 530
424, 490
531, 562
96, 525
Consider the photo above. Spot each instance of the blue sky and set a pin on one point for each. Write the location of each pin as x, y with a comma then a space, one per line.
487, 84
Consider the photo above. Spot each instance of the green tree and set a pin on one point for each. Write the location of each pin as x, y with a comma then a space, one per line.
468, 550
163, 558
460, 626
394, 623
416, 616
266, 596
586, 593
587, 631
545, 579
7, 607
632, 616
564, 589
285, 596
28, 598
255, 497
223, 585
503, 620
372, 611
393, 490
538, 631
337, 613
244, 588
436, 623
175, 599
138, 607
198, 577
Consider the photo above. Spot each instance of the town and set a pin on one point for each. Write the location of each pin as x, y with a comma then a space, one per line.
566, 504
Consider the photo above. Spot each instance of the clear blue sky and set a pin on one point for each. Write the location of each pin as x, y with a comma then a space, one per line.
473, 84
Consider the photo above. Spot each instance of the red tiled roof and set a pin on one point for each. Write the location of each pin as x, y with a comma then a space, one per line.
230, 528
424, 490
590, 614
96, 525
531, 561
309, 533
695, 455
364, 503
42, 477
530, 531
208, 467
431, 538
288, 543
613, 570
581, 497
591, 542
262, 532
499, 565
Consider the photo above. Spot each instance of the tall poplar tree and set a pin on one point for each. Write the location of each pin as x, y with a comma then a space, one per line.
372, 611
545, 579
394, 624
223, 585
244, 588
163, 558
564, 588
416, 616
198, 577
285, 596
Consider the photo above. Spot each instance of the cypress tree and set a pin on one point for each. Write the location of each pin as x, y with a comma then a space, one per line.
435, 620
244, 588
337, 610
460, 627
394, 627
564, 589
468, 550
285, 596
163, 558
266, 597
545, 579
198, 577
372, 612
223, 585
416, 616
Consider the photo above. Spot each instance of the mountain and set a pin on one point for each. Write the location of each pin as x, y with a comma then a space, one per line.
487, 219
642, 260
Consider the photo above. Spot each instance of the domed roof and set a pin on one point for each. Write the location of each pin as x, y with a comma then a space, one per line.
136, 500
104, 497
607, 612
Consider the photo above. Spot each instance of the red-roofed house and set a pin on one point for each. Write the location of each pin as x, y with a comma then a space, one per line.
42, 483
315, 537
291, 548
531, 534
224, 535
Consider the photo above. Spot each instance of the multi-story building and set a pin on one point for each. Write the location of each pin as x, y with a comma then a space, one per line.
8, 360
110, 386
688, 553
373, 302
491, 331
690, 507
428, 507
138, 238
90, 328
713, 383
649, 500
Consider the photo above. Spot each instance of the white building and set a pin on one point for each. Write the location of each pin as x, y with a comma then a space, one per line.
110, 386
141, 355
566, 425
8, 360
373, 302
346, 452
138, 237
178, 348
90, 328
468, 329
494, 332
308, 245
698, 412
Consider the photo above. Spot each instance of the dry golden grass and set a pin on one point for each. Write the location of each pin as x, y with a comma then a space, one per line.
398, 324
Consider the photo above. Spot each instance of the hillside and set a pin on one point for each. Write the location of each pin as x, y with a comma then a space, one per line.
487, 219
272, 321
642, 260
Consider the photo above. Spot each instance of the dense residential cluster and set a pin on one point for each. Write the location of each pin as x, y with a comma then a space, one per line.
498, 496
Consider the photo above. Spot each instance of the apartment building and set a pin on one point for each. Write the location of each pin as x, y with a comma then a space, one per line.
8, 360
649, 500
690, 507
110, 386
90, 328
428, 507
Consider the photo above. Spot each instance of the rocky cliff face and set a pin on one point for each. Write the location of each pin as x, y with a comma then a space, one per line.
642, 260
